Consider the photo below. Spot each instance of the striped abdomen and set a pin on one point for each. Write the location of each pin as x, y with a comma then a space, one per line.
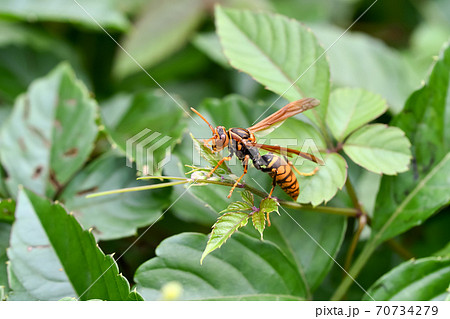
284, 176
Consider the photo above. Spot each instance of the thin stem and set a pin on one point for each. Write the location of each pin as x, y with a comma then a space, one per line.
351, 250
354, 270
138, 188
162, 177
349, 212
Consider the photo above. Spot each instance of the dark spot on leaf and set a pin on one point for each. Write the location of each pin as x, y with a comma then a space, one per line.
37, 172
71, 102
57, 125
86, 191
71, 152
38, 132
22, 145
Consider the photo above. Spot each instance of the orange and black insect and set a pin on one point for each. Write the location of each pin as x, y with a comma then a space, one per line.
242, 143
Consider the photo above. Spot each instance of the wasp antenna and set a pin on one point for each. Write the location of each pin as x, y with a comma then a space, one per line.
196, 112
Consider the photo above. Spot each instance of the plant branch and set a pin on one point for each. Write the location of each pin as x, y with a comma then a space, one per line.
362, 220
349, 212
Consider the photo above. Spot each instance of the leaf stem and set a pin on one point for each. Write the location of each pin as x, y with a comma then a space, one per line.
354, 271
138, 188
362, 220
349, 212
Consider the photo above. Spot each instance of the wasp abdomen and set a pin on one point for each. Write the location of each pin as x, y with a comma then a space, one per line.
279, 169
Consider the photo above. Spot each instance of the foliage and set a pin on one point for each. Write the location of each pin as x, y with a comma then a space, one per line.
81, 81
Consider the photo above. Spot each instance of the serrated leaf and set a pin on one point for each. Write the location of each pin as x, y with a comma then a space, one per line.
148, 121
162, 28
209, 44
276, 51
212, 158
259, 221
424, 279
52, 257
268, 205
351, 108
299, 135
118, 215
410, 198
247, 196
225, 226
322, 186
380, 149
250, 269
28, 53
50, 133
105, 13
382, 65
236, 206
186, 206
293, 227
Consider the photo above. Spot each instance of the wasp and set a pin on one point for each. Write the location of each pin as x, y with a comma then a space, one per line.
242, 143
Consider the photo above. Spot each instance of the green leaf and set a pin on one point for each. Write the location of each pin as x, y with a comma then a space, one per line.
276, 51
250, 269
409, 199
209, 44
184, 205
297, 134
380, 149
3, 188
268, 205
104, 12
247, 196
150, 121
5, 230
424, 279
382, 65
311, 261
259, 221
52, 257
225, 226
212, 158
237, 206
118, 215
50, 133
7, 208
349, 109
162, 28
322, 186
445, 252
28, 53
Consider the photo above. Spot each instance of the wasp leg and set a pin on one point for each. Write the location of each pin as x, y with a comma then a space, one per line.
301, 173
218, 164
274, 182
247, 157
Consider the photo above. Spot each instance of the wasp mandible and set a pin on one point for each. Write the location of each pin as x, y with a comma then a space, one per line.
242, 143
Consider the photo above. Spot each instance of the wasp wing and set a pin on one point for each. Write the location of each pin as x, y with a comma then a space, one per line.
286, 151
271, 122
